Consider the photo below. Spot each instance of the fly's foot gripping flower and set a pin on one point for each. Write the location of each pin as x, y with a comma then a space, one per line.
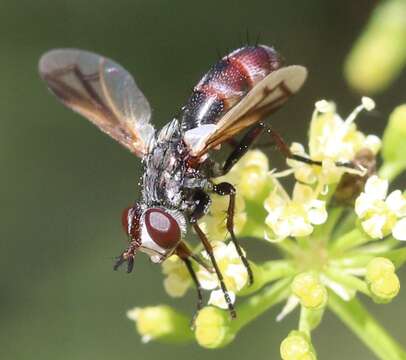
234, 273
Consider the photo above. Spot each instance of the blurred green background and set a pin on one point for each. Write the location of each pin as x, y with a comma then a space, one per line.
64, 184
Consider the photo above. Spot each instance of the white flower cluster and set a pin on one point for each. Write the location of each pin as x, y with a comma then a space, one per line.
381, 214
331, 140
293, 217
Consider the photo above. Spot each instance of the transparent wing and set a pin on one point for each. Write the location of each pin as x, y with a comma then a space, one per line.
102, 91
265, 98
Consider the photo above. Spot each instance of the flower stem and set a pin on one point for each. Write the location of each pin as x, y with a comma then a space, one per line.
309, 319
357, 318
398, 256
267, 272
350, 281
350, 240
390, 170
323, 232
259, 303
378, 248
214, 328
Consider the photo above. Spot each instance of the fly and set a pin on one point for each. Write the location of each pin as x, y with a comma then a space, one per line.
236, 94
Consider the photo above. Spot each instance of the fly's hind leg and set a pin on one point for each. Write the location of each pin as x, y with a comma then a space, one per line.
249, 139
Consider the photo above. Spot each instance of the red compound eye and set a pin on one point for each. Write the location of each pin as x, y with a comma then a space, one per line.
162, 228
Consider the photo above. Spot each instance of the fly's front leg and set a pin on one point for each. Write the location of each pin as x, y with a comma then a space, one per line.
203, 202
225, 189
185, 254
209, 250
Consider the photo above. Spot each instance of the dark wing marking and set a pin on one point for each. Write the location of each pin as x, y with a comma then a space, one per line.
102, 91
265, 98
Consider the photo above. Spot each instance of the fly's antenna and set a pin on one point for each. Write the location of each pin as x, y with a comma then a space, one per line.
257, 39
247, 35
218, 54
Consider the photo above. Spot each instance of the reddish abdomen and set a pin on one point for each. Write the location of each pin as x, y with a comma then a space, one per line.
226, 83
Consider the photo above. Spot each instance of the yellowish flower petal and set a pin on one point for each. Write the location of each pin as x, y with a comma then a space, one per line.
217, 299
376, 188
399, 230
374, 226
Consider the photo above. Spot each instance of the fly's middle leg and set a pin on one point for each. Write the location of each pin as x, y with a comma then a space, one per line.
226, 189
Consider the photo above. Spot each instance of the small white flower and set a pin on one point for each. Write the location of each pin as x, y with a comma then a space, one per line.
214, 224
234, 272
296, 216
177, 280
381, 214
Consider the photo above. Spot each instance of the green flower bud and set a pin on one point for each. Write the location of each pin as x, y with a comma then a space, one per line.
161, 323
297, 346
382, 280
380, 53
393, 144
379, 267
212, 328
385, 288
311, 292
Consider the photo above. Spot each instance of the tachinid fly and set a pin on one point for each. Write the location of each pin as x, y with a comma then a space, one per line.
235, 95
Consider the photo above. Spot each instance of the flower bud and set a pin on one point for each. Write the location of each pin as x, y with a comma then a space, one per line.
385, 288
297, 346
212, 328
254, 175
311, 292
393, 144
382, 280
379, 267
380, 53
161, 323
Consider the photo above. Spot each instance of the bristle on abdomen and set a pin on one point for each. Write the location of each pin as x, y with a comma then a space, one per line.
226, 84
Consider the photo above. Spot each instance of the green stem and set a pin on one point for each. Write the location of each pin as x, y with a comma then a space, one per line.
350, 240
357, 318
214, 328
310, 319
258, 304
323, 232
398, 256
287, 246
267, 272
390, 170
346, 224
377, 248
348, 281
352, 261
